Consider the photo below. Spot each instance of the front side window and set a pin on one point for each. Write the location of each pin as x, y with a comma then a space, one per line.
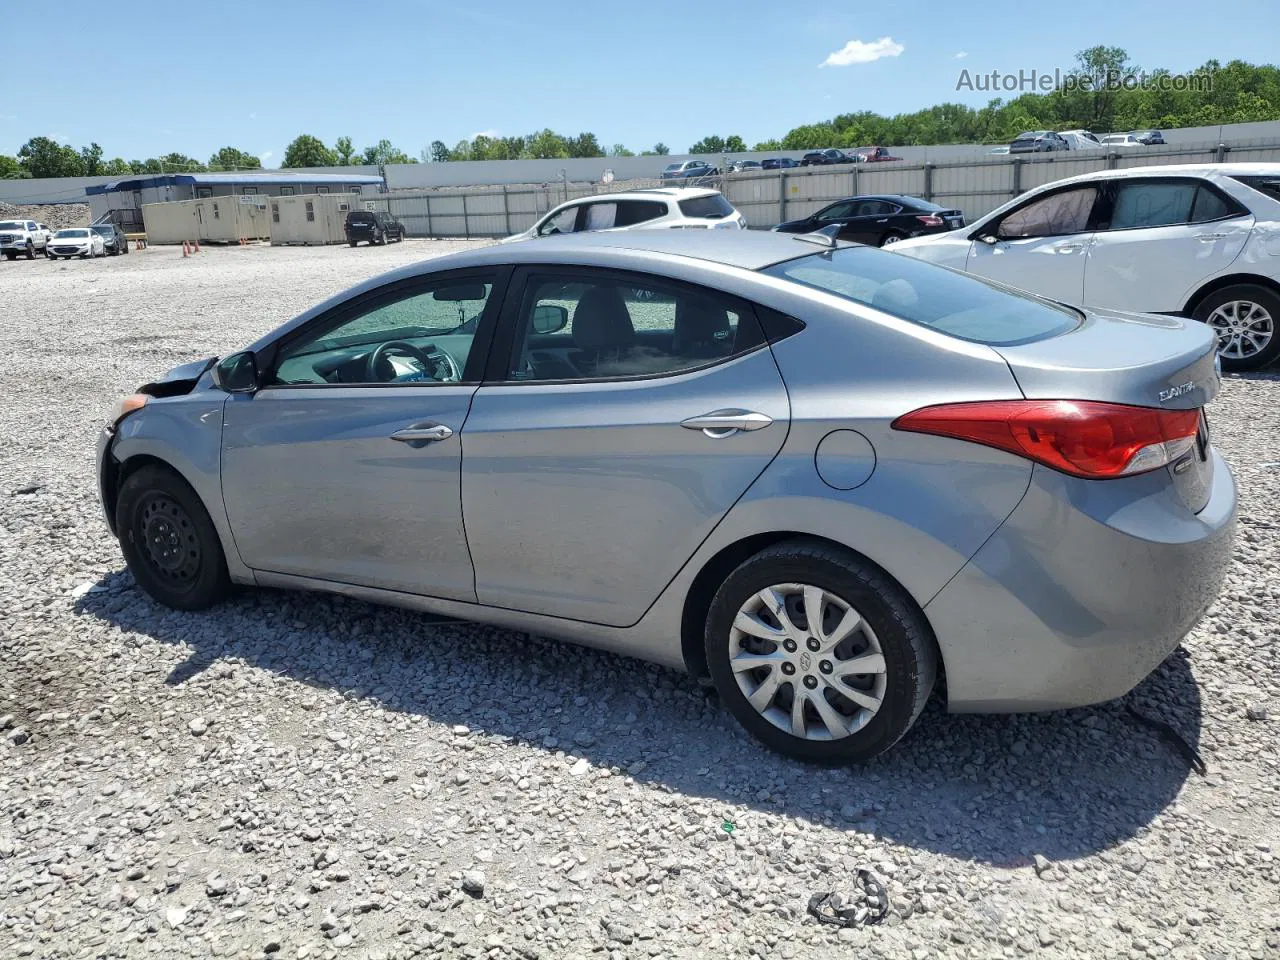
837, 211
574, 328
1152, 204
958, 304
1059, 213
419, 337
563, 222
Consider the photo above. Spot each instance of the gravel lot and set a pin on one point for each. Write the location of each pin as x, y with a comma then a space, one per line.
298, 776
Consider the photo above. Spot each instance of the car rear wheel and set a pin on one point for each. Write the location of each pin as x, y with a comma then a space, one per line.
1244, 317
890, 238
818, 654
169, 542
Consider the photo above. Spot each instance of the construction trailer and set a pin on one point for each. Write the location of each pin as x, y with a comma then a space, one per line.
313, 219
209, 220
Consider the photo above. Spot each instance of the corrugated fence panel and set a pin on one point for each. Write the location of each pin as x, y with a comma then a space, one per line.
756, 197
891, 178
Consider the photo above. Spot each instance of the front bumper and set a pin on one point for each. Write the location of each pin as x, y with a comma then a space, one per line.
1082, 592
106, 474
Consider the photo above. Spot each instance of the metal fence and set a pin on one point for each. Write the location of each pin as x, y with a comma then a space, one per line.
767, 197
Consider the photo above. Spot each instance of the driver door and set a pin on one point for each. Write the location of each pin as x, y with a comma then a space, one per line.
347, 470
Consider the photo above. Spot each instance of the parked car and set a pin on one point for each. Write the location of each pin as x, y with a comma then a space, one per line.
820, 158
1148, 137
778, 163
22, 237
689, 170
1189, 240
741, 166
376, 226
1037, 141
113, 238
874, 154
665, 207
1121, 140
880, 220
813, 474
1080, 139
76, 242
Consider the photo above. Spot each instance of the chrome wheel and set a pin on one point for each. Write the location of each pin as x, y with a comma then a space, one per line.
807, 661
1244, 328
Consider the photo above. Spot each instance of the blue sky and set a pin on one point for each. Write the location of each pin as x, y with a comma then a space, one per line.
255, 74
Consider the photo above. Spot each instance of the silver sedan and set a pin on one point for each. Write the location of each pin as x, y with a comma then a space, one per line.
816, 475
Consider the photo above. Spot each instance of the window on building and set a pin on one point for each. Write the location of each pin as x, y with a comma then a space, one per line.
215, 211
353, 189
250, 191
311, 211
202, 192
322, 189
275, 213
286, 191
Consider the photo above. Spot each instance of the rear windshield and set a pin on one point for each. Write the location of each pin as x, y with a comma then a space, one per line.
360, 217
1268, 185
707, 208
958, 304
672, 167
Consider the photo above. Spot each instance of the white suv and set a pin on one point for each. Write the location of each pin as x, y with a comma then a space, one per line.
1194, 240
662, 208
23, 236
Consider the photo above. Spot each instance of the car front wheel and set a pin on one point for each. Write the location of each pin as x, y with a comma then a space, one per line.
169, 542
819, 654
1244, 317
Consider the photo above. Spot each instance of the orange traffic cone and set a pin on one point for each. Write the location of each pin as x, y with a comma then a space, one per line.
186, 249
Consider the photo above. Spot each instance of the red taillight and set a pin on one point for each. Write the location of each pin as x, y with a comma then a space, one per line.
1084, 438
930, 220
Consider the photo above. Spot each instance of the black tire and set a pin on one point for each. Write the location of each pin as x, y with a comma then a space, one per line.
353, 242
11, 254
31, 250
890, 238
903, 634
157, 505
1263, 297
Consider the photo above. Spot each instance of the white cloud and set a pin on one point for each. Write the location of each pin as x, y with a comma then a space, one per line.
961, 55
264, 157
858, 51
491, 134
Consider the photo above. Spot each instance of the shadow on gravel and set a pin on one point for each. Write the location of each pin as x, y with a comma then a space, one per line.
996, 789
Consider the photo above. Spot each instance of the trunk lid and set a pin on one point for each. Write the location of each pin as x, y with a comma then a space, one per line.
1143, 360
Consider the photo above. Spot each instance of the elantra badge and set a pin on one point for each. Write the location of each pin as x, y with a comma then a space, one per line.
1167, 395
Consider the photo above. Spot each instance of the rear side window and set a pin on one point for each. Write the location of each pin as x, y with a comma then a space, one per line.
706, 208
1211, 205
960, 305
631, 212
1152, 204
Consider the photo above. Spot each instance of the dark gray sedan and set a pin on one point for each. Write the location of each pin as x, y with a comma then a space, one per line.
815, 474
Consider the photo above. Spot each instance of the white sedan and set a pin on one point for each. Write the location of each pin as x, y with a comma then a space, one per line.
1201, 241
76, 242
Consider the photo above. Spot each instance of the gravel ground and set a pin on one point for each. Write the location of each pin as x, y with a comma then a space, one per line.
54, 215
299, 776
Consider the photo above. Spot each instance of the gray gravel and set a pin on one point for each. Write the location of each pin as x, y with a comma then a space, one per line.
299, 776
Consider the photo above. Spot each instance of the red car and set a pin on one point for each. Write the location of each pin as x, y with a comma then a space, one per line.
875, 154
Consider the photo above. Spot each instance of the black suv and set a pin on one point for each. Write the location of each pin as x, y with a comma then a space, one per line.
113, 238
372, 225
822, 158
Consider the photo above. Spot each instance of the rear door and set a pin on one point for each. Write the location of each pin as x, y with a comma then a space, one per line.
870, 222
1159, 239
1041, 245
598, 456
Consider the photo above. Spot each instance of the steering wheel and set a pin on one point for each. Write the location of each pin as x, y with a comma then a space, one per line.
432, 361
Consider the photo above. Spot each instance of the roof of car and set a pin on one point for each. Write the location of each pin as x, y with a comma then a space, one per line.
1179, 169
676, 193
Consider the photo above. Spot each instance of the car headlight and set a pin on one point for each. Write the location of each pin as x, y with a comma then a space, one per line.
130, 404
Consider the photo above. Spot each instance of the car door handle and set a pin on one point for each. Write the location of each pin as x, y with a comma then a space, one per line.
423, 433
886, 220
1210, 237
1069, 247
725, 423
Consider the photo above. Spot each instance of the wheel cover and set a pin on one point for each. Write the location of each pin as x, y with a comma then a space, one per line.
807, 661
891, 238
1244, 328
170, 545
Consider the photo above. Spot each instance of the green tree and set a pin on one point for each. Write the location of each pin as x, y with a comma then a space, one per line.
735, 144
308, 151
764, 145
181, 163
231, 158
708, 145
461, 151
545, 145
618, 150
150, 165
382, 152
10, 169
41, 157
584, 145
439, 152
116, 167
344, 150
91, 160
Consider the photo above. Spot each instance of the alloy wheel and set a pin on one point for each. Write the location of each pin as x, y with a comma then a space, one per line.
1244, 328
807, 661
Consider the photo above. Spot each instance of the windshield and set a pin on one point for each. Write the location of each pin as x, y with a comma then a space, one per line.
71, 234
99, 229
957, 304
707, 208
11, 225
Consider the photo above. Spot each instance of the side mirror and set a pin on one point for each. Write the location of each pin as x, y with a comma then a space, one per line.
237, 373
549, 318
990, 239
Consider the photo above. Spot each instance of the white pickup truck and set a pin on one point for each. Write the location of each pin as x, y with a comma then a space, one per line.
25, 237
